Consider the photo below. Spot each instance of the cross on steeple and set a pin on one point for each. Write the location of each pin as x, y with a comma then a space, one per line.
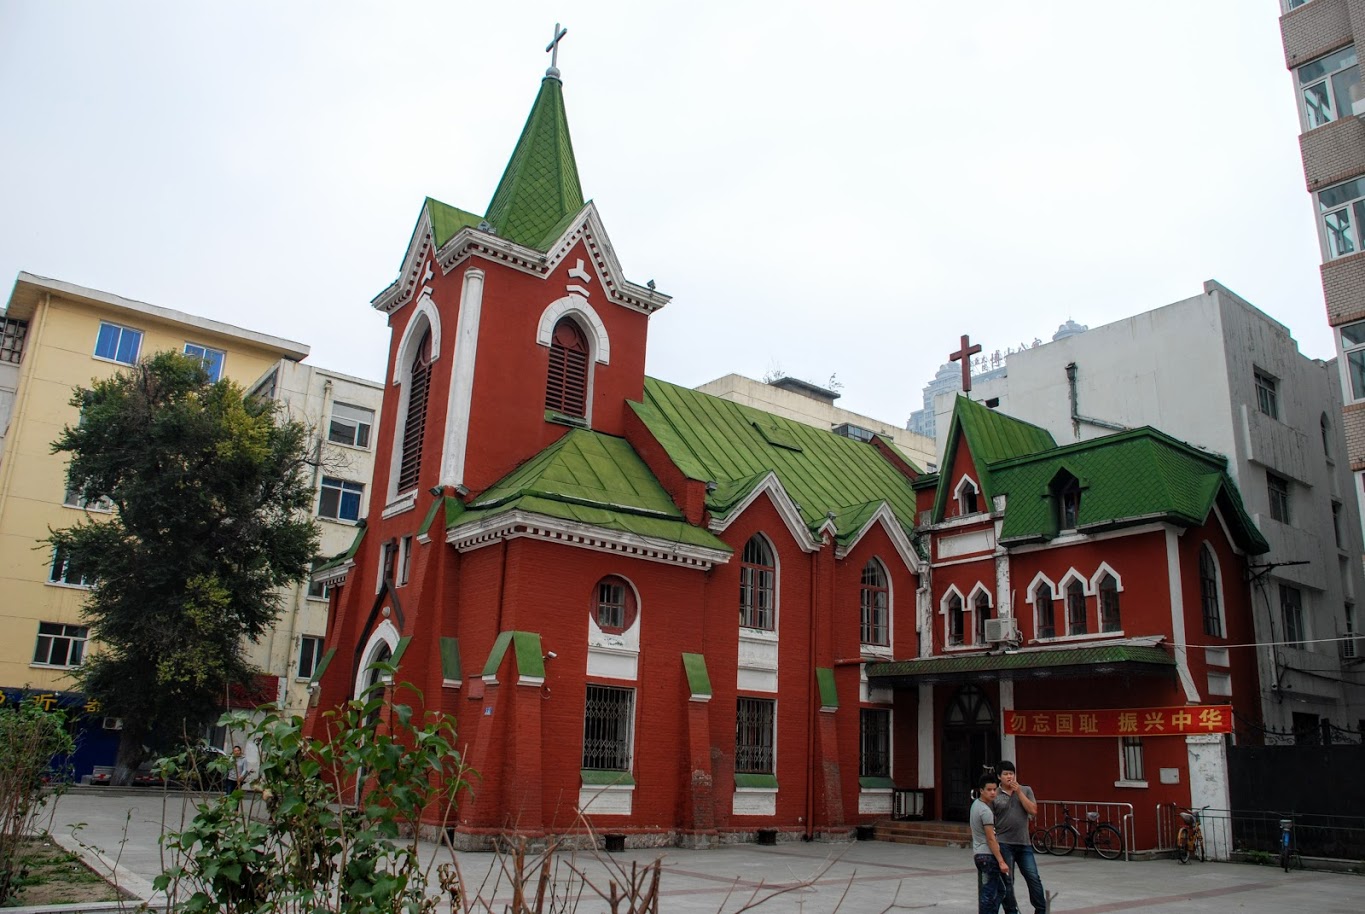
964, 355
553, 50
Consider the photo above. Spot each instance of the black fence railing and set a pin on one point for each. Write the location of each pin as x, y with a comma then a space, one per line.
1229, 831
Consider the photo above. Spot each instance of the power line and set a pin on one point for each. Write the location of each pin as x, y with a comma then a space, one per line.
1299, 643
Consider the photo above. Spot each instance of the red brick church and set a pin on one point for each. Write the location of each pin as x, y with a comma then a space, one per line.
695, 621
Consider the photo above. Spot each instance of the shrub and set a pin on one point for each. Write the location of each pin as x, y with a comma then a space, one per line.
30, 736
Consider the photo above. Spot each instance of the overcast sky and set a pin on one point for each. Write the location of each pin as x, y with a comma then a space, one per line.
824, 189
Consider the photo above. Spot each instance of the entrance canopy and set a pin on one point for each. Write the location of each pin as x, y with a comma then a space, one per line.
1049, 663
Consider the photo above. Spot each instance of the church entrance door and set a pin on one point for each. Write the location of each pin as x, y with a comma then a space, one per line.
971, 741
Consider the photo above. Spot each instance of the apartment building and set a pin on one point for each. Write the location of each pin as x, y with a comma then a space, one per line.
57, 335
343, 412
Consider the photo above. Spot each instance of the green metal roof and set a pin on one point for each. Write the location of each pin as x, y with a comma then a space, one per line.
593, 479
1094, 660
341, 556
539, 192
736, 447
1130, 477
446, 220
991, 436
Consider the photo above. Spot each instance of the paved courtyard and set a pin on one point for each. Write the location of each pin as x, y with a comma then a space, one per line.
122, 827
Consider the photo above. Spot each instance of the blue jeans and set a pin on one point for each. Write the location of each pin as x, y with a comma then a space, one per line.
990, 884
1021, 856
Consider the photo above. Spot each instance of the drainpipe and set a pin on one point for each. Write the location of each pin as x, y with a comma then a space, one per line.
1076, 417
813, 708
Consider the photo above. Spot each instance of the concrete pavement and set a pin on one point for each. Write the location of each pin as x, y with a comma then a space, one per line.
119, 830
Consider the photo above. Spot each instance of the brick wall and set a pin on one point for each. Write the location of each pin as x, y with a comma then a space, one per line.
1314, 29
1343, 288
1333, 153
1353, 423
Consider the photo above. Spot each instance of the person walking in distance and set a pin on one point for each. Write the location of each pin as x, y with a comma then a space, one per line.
1014, 806
991, 868
238, 771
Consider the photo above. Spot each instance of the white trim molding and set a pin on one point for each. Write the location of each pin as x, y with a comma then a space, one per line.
462, 379
517, 524
575, 305
786, 509
894, 532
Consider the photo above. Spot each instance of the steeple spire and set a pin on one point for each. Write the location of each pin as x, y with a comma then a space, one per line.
539, 191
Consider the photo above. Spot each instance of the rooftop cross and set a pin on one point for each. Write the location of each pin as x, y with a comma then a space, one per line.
964, 355
553, 50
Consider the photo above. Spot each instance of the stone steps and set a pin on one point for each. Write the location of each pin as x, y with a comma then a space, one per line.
924, 833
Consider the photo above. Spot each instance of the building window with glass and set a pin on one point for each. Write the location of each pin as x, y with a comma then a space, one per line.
1277, 489
1267, 393
607, 720
1109, 604
118, 344
1075, 608
875, 600
1291, 614
1342, 208
1208, 592
757, 585
1329, 86
210, 359
1043, 606
1353, 348
310, 654
340, 499
955, 619
65, 571
754, 735
350, 425
875, 741
1131, 763
60, 645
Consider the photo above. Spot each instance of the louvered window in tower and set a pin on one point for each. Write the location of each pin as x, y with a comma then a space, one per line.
566, 387
414, 426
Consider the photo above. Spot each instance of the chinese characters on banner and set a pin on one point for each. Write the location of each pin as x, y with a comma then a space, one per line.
1121, 721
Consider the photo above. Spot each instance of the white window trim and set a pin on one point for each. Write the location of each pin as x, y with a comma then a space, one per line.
372, 424
1350, 205
1336, 104
1206, 546
424, 316
1344, 352
948, 622
384, 633
764, 634
222, 363
142, 336
1031, 595
969, 610
957, 496
869, 647
1123, 781
577, 306
317, 658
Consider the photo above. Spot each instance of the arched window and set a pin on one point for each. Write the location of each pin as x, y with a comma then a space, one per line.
875, 600
1043, 599
614, 608
981, 607
955, 621
566, 385
967, 497
1109, 604
415, 422
1208, 592
1075, 608
757, 585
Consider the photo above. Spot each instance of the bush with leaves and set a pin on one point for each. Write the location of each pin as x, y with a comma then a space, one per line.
30, 737
309, 849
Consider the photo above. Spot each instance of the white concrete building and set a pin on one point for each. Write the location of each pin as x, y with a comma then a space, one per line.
1216, 372
343, 412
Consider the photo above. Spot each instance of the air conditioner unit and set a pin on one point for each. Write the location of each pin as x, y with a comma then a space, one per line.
113, 723
1001, 630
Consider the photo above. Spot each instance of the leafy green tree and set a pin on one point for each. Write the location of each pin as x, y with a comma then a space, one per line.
209, 519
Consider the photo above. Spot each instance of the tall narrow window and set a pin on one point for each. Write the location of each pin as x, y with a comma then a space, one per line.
757, 585
1291, 614
955, 626
1043, 604
1069, 504
566, 386
1336, 525
1075, 608
1267, 393
875, 599
1325, 427
1131, 763
981, 612
1208, 593
1109, 605
754, 736
310, 653
404, 560
967, 498
875, 740
1277, 491
607, 722
414, 427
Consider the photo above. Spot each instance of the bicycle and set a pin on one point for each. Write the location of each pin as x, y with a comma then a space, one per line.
1038, 838
1103, 838
1189, 841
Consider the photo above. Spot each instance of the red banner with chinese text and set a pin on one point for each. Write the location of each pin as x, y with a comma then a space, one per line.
1121, 721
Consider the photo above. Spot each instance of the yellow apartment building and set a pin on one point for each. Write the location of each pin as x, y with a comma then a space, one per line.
54, 336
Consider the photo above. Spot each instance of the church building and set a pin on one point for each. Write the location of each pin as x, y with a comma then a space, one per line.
693, 621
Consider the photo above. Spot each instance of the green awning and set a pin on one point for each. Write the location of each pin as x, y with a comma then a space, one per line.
1059, 662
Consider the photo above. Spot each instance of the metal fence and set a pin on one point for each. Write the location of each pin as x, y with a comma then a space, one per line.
1119, 815
1229, 831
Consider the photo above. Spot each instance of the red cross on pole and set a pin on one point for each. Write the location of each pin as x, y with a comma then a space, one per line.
964, 355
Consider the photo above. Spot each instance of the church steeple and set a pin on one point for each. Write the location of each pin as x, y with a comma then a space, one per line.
539, 191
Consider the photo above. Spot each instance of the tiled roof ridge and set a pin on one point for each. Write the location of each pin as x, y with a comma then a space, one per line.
1143, 431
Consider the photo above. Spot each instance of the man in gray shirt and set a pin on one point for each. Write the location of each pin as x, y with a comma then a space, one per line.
991, 868
1013, 806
